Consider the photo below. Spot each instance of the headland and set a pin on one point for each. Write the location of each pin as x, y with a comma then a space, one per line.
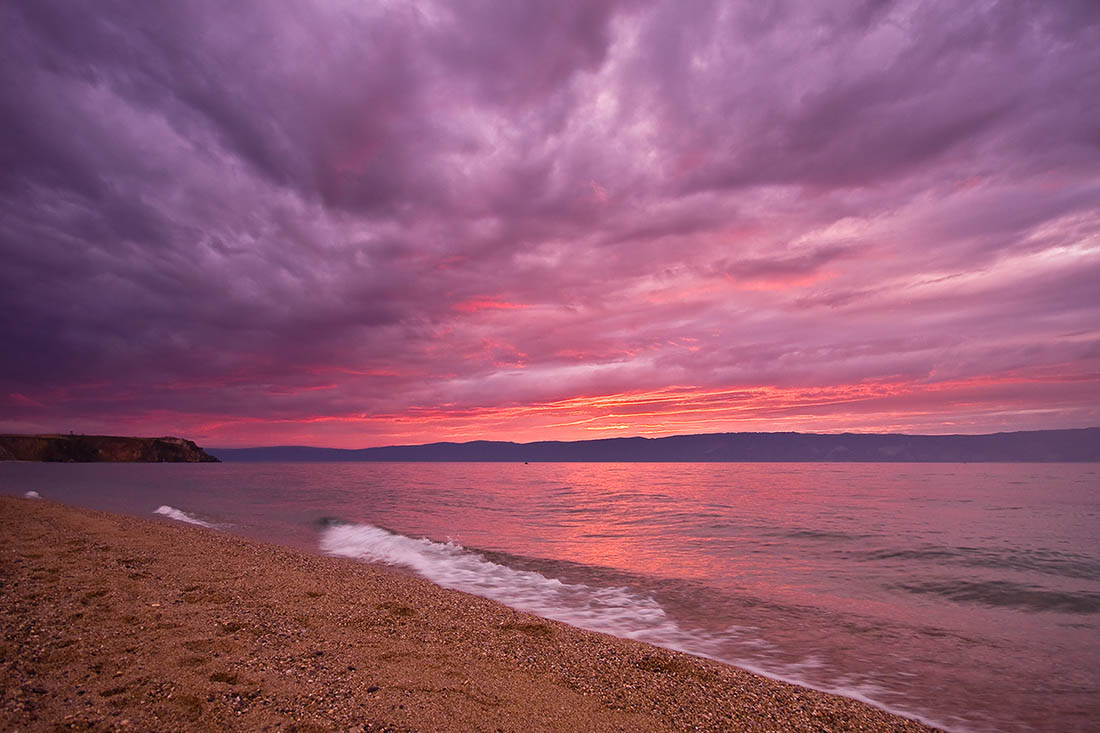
100, 448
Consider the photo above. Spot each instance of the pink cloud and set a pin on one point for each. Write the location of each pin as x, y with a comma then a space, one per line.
374, 225
481, 304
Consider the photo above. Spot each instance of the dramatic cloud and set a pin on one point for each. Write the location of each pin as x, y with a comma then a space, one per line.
358, 223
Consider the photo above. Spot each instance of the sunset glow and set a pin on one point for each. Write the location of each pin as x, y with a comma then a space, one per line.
374, 224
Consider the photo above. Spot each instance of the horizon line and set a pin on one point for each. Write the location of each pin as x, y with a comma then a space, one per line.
643, 437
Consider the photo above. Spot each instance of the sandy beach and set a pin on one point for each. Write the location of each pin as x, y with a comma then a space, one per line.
117, 623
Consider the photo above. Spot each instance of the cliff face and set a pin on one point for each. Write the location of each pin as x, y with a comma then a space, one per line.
100, 448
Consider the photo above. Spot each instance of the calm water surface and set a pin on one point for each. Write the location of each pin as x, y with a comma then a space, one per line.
966, 595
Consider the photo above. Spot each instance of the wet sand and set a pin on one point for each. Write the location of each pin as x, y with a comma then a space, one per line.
116, 623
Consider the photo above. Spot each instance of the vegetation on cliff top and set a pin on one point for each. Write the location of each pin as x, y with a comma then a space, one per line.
100, 448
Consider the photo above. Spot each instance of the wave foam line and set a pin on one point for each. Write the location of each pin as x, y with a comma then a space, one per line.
613, 610
32, 495
181, 516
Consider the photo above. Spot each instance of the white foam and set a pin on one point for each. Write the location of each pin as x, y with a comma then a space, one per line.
612, 610
32, 495
616, 611
181, 516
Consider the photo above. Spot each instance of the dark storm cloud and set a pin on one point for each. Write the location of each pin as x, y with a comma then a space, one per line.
214, 213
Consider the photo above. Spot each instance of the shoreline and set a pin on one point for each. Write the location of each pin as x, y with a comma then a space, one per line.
120, 623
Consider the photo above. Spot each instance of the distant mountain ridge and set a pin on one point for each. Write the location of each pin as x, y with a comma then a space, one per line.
100, 449
1036, 446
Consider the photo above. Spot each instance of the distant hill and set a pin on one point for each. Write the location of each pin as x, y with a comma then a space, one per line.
1031, 446
100, 449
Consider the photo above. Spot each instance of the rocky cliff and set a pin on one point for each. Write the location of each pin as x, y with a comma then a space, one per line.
100, 448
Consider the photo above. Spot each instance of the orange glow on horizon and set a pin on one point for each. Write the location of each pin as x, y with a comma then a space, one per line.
899, 405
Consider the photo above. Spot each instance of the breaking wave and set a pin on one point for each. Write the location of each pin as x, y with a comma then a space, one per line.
618, 611
32, 495
182, 516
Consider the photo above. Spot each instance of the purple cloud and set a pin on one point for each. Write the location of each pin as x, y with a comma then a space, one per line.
246, 221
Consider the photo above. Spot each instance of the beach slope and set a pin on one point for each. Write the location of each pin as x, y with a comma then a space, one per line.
111, 622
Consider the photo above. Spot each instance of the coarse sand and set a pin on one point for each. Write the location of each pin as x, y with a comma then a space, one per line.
118, 623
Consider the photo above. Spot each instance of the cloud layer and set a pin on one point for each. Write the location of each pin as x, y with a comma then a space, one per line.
355, 223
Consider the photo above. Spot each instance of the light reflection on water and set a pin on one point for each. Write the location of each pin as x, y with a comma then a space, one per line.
967, 593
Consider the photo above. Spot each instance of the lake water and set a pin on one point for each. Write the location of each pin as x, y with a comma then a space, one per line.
966, 595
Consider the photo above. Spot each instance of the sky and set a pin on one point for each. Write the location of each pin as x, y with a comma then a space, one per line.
355, 223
